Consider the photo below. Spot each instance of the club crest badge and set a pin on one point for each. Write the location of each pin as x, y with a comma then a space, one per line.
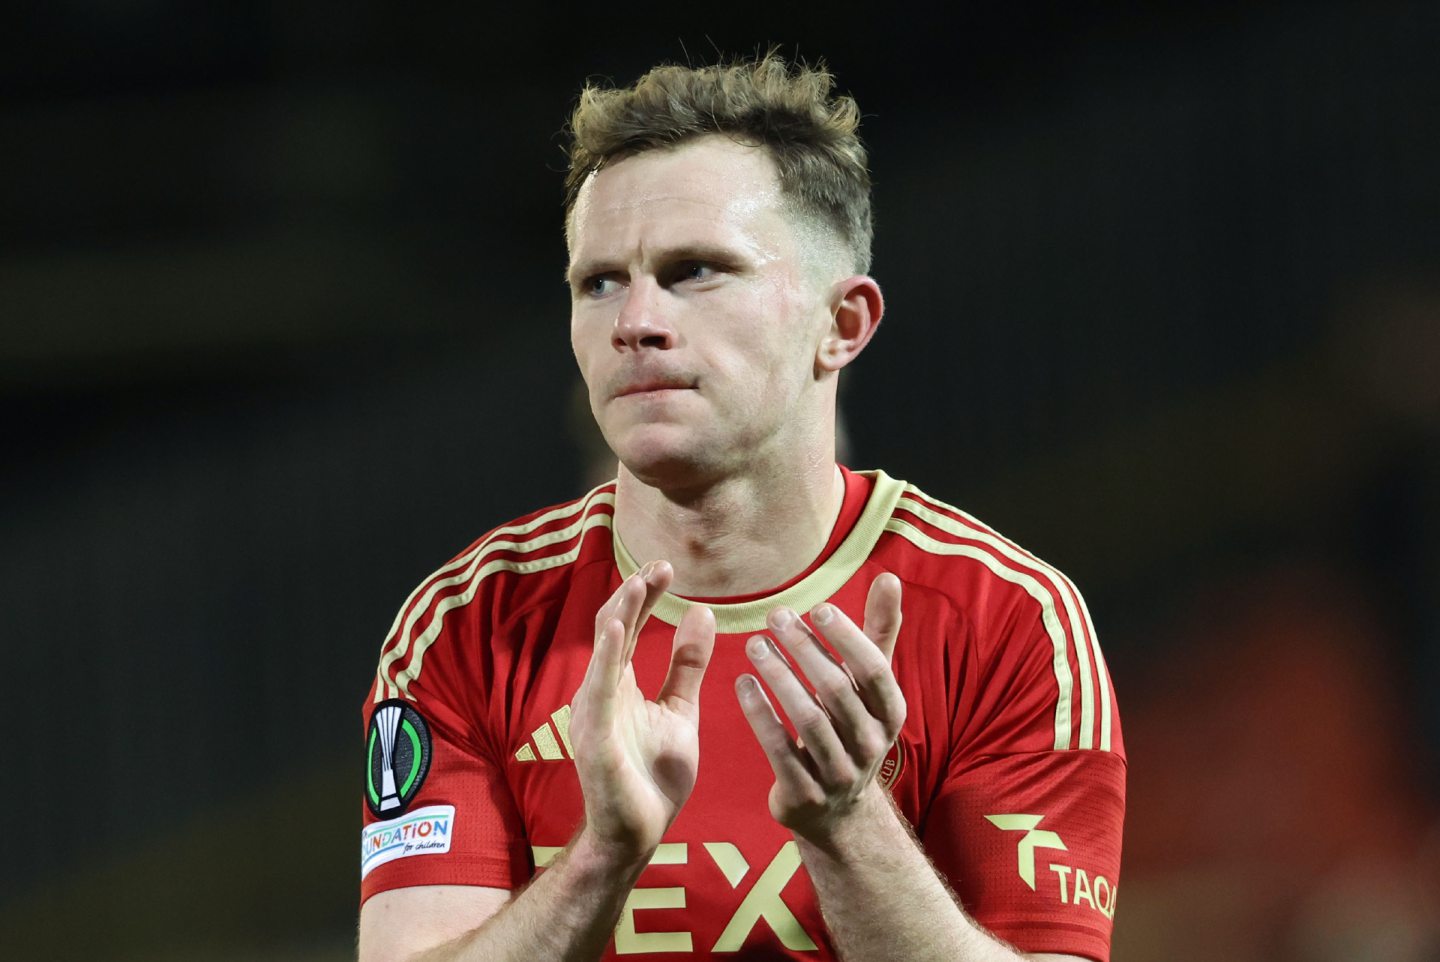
893, 764
397, 757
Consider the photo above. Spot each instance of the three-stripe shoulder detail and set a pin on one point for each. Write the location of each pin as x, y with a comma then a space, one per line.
562, 528
1063, 612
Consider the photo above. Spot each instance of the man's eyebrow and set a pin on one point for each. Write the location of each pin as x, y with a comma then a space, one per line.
710, 253
580, 270
714, 253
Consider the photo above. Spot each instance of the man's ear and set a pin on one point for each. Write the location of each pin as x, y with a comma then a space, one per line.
855, 310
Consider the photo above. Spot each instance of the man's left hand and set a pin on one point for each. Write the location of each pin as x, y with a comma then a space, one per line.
845, 727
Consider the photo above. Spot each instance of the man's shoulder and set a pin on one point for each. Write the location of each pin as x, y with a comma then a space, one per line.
1025, 617
566, 523
516, 567
544, 544
507, 565
973, 565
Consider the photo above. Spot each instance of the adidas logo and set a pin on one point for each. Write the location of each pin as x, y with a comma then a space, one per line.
546, 747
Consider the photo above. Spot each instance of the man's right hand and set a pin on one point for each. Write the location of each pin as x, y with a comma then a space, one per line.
637, 759
637, 762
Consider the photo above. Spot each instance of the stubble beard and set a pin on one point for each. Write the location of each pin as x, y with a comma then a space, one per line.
672, 464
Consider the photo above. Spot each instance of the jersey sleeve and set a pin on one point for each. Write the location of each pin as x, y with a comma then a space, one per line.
437, 809
1026, 825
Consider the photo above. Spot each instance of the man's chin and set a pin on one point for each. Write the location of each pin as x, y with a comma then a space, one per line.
665, 472
668, 466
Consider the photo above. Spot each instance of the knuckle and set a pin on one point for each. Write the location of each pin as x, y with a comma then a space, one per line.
873, 672
810, 718
832, 779
891, 727
812, 795
868, 679
834, 687
776, 742
871, 746
888, 698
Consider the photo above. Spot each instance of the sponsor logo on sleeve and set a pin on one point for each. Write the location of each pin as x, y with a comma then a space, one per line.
1032, 839
397, 757
425, 831
1072, 883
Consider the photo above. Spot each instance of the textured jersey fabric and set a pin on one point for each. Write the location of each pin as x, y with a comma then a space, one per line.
1010, 765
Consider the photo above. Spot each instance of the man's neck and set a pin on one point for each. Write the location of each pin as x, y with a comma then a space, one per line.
739, 536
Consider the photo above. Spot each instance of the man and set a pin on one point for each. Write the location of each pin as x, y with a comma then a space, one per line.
526, 797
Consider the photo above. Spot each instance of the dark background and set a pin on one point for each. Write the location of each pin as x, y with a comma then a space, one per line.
282, 328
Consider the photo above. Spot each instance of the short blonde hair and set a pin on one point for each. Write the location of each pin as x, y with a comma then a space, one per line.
788, 109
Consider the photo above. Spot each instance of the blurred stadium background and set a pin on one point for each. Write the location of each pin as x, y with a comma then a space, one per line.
282, 328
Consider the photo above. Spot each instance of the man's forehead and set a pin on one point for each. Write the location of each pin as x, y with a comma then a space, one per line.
712, 181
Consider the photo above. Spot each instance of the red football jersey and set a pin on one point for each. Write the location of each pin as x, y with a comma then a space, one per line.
1010, 765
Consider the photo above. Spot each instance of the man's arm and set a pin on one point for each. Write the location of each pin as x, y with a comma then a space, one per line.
397, 923
880, 895
636, 761
568, 912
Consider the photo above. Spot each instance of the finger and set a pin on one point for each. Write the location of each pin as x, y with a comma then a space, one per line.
882, 613
615, 604
788, 627
602, 676
786, 759
830, 679
814, 727
694, 643
869, 666
656, 577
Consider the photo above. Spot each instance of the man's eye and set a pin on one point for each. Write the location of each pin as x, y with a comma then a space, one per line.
697, 271
601, 285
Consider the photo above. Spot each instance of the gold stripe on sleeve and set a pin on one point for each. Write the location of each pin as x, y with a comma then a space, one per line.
1060, 662
1077, 631
398, 641
406, 677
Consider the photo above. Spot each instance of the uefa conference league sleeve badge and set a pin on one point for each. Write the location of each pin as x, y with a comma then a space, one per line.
397, 757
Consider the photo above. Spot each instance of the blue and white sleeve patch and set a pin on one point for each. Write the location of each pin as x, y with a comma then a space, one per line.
424, 831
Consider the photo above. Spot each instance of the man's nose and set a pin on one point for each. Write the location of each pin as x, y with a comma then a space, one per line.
641, 322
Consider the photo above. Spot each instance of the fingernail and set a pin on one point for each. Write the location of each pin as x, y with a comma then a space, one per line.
823, 614
781, 618
647, 570
759, 647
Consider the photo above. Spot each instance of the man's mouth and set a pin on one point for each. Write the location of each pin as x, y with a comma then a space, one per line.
656, 386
